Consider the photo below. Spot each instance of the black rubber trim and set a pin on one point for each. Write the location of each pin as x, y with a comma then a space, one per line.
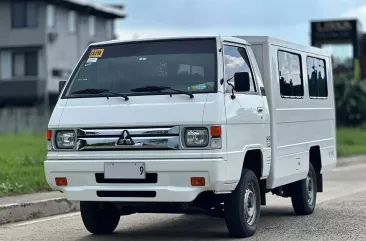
150, 178
126, 194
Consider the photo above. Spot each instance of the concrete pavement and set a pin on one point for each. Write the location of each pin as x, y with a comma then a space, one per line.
340, 215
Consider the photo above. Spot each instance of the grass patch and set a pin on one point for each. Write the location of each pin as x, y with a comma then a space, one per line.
22, 158
351, 141
21, 164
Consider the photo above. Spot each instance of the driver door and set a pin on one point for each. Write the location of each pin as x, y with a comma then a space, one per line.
245, 113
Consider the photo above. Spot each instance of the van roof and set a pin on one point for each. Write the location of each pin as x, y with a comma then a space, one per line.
224, 38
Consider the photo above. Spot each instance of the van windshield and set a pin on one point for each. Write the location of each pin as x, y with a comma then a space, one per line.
182, 65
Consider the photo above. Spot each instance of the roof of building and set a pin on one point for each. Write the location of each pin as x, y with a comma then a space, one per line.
112, 11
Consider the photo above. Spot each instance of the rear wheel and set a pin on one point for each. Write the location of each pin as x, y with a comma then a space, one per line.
242, 208
99, 219
303, 193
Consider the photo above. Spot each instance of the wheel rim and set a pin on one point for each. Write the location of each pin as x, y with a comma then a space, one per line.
310, 188
250, 204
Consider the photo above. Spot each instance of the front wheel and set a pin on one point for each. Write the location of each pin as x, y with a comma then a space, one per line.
99, 219
242, 208
303, 193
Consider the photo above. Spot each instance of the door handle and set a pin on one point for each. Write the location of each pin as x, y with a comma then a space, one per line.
260, 109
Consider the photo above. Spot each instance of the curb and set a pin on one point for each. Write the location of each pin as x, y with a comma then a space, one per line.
352, 160
37, 209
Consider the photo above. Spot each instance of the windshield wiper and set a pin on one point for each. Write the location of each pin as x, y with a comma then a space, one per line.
160, 88
100, 91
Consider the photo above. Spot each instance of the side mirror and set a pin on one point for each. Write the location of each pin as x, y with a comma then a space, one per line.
241, 81
61, 85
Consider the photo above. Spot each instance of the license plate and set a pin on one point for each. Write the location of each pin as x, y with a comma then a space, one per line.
117, 170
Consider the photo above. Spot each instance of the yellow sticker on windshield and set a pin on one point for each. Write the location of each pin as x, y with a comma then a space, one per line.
96, 53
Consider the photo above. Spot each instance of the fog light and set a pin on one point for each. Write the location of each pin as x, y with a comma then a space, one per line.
61, 181
216, 142
197, 181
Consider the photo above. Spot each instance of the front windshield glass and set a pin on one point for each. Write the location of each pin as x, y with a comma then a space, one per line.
186, 65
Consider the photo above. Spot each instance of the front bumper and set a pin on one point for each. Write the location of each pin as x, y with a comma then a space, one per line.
173, 180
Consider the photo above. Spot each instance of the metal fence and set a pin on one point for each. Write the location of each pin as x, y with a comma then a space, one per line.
15, 120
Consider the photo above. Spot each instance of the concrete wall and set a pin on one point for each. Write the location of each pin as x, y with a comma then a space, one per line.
15, 120
20, 37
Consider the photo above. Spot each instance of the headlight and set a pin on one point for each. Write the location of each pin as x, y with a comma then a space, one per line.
65, 139
197, 137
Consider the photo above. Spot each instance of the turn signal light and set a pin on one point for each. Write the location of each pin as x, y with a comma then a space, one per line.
197, 181
49, 135
61, 181
216, 131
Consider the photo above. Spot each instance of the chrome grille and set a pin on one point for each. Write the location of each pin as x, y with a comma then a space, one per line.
128, 139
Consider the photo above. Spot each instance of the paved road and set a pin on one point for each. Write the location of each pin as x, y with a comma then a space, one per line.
340, 215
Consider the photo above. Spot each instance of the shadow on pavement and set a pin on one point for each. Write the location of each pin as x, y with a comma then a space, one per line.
188, 227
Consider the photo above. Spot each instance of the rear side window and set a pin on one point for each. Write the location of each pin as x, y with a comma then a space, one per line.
291, 81
317, 77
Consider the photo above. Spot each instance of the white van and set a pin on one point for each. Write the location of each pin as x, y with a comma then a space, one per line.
193, 124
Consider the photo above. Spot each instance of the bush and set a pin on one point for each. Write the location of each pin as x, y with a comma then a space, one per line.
350, 99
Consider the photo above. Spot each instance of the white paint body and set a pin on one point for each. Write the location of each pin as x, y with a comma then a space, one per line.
293, 126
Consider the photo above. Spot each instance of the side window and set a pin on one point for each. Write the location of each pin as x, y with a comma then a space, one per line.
291, 81
24, 14
317, 77
236, 60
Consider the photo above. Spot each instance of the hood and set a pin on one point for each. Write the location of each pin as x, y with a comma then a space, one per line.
153, 110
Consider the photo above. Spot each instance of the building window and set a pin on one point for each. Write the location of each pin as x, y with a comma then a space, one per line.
317, 77
72, 21
109, 27
18, 65
24, 14
51, 16
236, 60
91, 26
25, 64
61, 73
291, 81
31, 64
5, 65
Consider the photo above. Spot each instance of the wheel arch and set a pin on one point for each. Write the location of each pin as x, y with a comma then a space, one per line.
316, 160
254, 160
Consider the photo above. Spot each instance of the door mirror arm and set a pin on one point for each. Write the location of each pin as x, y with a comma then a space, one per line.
232, 88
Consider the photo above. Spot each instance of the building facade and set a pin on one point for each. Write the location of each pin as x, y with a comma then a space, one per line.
42, 40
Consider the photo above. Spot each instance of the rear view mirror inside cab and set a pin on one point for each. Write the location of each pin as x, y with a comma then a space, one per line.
242, 81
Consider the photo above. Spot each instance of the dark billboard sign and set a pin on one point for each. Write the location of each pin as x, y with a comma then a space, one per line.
334, 30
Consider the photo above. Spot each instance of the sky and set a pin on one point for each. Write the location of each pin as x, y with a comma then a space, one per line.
285, 19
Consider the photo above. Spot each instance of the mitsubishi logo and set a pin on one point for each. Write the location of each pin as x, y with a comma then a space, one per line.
125, 139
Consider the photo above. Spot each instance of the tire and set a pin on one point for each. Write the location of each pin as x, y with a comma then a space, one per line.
235, 209
303, 193
99, 220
